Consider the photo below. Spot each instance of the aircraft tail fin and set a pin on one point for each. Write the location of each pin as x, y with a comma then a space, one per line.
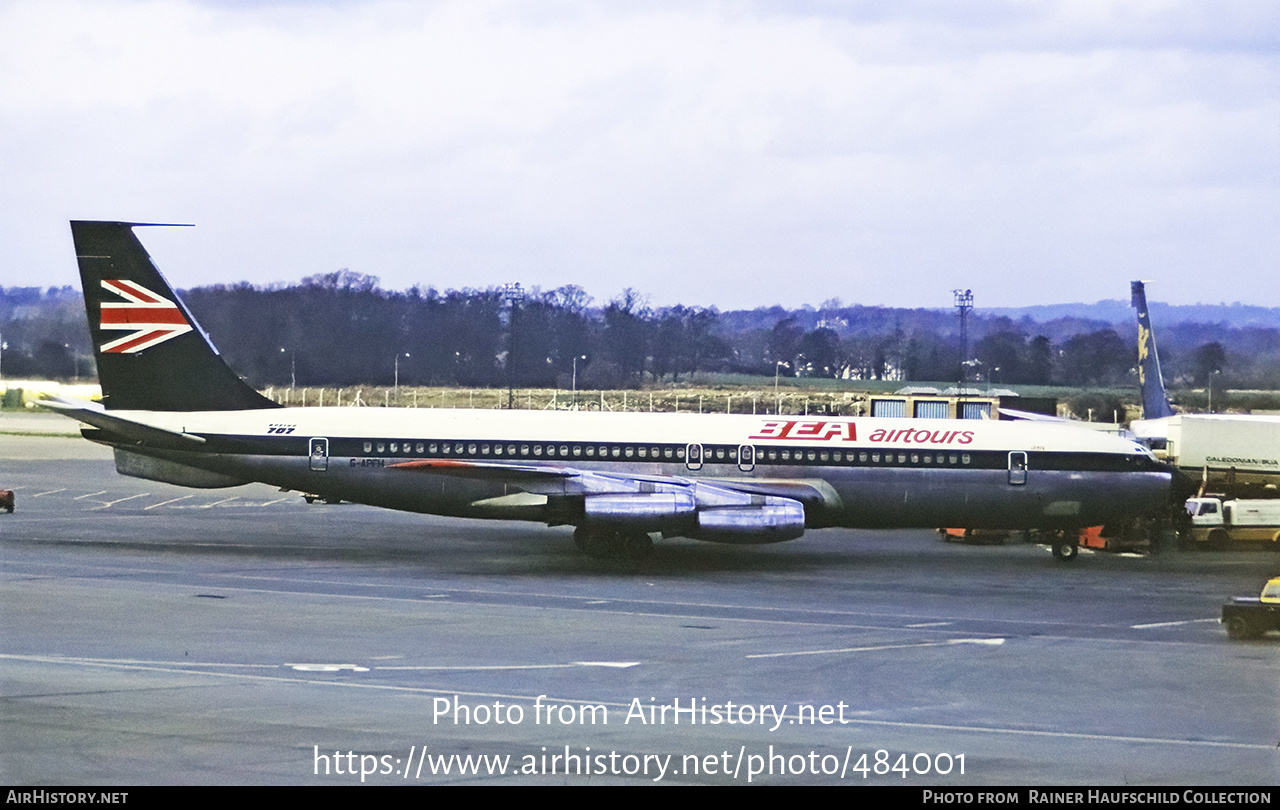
151, 353
1155, 402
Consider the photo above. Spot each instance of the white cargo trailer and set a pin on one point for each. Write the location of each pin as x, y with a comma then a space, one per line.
1236, 449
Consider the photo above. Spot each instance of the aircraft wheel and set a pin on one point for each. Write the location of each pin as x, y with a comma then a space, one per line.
612, 544
594, 542
635, 545
1239, 628
1065, 550
309, 498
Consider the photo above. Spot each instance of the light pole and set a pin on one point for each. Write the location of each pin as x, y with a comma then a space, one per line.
777, 397
513, 294
576, 358
293, 367
1211, 376
397, 385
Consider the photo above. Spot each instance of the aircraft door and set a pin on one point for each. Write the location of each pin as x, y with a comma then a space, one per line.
746, 457
693, 456
319, 454
1017, 468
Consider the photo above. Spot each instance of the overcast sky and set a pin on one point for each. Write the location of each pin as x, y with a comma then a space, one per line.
733, 154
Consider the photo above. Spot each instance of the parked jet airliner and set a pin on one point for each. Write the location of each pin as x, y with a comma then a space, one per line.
174, 411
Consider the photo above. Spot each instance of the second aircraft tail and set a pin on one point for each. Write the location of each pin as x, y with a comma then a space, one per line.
1155, 402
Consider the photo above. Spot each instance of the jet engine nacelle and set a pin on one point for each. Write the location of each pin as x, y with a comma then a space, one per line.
772, 522
640, 508
700, 511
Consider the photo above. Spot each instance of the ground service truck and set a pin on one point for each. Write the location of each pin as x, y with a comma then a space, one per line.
1217, 522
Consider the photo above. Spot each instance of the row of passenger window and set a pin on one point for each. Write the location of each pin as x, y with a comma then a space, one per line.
474, 449
711, 454
806, 456
797, 456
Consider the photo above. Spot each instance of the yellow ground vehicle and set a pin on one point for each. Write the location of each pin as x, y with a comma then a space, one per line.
1251, 616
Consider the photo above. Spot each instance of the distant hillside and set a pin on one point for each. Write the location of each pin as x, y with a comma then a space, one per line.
1064, 318
1116, 311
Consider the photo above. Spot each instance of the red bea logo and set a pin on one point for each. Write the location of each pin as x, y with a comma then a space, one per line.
810, 431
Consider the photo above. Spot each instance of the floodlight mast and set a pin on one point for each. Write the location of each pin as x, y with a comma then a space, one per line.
964, 305
513, 295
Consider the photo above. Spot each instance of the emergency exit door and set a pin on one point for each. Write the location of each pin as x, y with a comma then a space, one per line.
319, 455
693, 456
1017, 468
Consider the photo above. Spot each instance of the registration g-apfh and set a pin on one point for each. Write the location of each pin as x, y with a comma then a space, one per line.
173, 411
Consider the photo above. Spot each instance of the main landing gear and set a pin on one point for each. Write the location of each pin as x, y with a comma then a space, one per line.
1065, 546
605, 543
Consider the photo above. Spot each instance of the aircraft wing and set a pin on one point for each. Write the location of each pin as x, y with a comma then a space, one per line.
733, 510
1028, 416
546, 479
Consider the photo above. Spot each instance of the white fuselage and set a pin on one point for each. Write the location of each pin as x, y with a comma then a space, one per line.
854, 472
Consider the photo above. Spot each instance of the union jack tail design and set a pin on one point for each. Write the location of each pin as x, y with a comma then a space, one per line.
149, 318
134, 316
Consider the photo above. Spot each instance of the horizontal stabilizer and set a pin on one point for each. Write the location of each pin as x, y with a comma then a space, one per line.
136, 432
